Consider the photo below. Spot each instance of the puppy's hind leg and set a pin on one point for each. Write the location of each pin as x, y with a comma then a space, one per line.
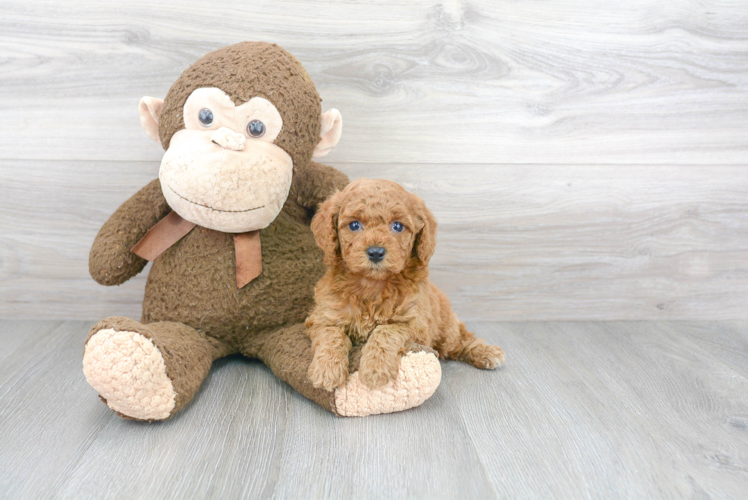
476, 352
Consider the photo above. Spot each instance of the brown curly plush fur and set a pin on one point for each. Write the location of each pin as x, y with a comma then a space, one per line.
385, 305
192, 303
246, 70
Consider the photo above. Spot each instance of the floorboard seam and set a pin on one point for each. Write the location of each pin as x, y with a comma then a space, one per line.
275, 466
69, 471
470, 437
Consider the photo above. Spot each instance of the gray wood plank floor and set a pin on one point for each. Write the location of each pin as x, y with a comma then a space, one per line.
581, 410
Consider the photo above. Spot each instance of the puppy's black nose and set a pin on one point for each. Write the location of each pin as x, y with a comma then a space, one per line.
375, 253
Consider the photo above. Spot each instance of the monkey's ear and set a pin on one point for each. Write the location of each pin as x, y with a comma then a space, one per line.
329, 132
150, 112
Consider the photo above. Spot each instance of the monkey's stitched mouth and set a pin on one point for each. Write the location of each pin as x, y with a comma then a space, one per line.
211, 208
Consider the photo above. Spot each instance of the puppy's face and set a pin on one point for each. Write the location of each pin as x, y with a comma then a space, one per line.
375, 229
376, 236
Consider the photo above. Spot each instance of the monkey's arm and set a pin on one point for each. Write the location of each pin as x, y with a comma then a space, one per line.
314, 183
111, 262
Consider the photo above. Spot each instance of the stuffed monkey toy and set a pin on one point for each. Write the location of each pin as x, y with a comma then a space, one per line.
227, 226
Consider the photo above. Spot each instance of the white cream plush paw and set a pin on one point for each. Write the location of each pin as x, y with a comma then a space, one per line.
129, 372
419, 375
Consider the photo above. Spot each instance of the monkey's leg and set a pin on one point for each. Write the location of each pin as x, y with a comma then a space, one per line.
288, 353
147, 372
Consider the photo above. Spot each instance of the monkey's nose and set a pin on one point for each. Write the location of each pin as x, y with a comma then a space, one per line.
375, 254
228, 139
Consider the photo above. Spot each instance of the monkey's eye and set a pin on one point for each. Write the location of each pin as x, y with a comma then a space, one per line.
256, 128
397, 227
354, 226
206, 117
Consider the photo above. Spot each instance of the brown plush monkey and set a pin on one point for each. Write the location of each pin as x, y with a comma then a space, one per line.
227, 226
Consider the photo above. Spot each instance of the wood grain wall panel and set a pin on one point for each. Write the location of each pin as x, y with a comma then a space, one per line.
516, 242
575, 82
586, 160
586, 242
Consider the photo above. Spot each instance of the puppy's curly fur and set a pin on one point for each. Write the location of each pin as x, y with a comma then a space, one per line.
386, 304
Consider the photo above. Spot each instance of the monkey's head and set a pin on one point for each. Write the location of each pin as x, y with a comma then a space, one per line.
234, 126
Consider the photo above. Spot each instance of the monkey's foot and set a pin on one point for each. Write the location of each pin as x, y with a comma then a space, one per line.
417, 379
129, 373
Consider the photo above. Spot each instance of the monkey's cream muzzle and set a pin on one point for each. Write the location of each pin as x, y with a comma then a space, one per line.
221, 180
228, 139
218, 177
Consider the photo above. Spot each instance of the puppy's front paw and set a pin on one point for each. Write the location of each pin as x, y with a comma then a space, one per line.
377, 369
328, 372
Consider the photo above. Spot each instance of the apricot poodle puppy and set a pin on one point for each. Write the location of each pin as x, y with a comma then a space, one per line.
378, 239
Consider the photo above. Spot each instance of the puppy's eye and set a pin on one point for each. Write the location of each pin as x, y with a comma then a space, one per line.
354, 226
256, 128
397, 227
206, 117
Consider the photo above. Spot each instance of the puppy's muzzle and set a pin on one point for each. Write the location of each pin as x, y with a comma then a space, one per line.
376, 254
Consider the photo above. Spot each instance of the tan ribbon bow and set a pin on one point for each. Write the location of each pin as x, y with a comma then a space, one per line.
173, 228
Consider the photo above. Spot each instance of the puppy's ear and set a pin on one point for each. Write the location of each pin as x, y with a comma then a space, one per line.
425, 243
325, 227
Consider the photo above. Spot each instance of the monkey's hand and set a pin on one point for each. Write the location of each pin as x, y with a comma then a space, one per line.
111, 262
315, 182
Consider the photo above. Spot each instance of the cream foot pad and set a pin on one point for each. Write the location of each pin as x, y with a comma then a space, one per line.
420, 374
129, 372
